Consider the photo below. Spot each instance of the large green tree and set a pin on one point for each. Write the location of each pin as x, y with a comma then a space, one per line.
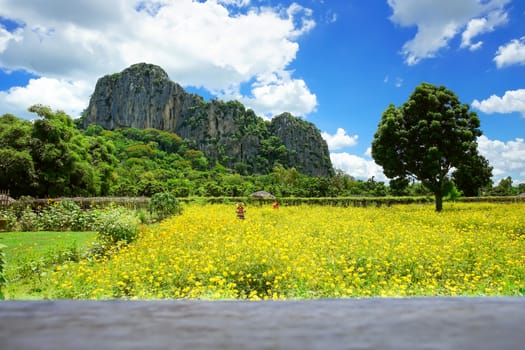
51, 151
425, 138
65, 160
17, 170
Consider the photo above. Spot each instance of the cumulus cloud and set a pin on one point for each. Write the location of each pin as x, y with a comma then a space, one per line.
340, 140
356, 166
67, 96
512, 101
478, 26
507, 158
438, 22
271, 96
206, 44
511, 53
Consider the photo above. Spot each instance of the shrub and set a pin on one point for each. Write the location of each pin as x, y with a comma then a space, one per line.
61, 216
9, 219
29, 220
163, 205
453, 193
116, 226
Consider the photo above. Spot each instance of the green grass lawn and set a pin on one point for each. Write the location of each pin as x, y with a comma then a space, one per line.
32, 255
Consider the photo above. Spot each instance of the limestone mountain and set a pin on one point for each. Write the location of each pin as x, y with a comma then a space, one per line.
142, 96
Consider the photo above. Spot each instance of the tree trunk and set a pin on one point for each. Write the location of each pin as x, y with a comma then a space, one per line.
439, 202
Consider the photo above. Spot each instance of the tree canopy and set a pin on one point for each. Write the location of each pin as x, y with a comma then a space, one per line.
426, 138
51, 156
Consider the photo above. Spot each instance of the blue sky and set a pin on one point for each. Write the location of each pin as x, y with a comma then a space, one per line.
338, 64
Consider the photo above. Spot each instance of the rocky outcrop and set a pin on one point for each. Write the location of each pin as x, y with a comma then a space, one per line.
143, 96
307, 150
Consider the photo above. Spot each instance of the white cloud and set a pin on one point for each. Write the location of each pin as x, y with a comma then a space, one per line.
199, 43
276, 93
340, 140
482, 25
304, 15
438, 22
6, 37
69, 97
238, 3
512, 101
507, 158
511, 53
358, 167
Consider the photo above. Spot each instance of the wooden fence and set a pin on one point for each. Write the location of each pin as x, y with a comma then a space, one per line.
5, 200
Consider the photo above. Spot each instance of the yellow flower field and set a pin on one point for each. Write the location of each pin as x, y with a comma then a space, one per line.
313, 252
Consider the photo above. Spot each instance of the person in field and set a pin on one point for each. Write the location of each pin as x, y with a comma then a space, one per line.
240, 211
276, 205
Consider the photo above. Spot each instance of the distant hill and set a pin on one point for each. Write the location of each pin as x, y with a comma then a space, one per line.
142, 96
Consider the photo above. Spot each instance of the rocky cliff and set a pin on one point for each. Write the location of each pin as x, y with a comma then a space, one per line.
142, 96
303, 142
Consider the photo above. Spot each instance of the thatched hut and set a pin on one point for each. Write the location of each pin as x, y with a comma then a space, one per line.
262, 195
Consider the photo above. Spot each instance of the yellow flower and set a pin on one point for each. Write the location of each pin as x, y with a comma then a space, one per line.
315, 251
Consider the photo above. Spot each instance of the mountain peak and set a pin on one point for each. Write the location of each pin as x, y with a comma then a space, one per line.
142, 96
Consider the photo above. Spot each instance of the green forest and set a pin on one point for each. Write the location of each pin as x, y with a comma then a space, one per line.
52, 156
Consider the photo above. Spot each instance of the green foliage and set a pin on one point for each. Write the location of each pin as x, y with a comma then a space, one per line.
32, 256
116, 226
426, 137
163, 205
453, 193
53, 152
55, 216
17, 169
28, 221
399, 186
66, 216
471, 176
504, 188
14, 133
34, 264
52, 158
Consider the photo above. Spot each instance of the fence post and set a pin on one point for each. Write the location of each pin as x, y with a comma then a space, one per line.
4, 198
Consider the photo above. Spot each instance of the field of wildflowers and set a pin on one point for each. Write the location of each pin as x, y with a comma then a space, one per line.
312, 252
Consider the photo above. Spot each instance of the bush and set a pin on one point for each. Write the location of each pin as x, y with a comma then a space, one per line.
29, 221
116, 226
9, 220
163, 205
63, 216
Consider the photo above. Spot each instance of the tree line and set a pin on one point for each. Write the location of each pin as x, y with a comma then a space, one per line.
52, 156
